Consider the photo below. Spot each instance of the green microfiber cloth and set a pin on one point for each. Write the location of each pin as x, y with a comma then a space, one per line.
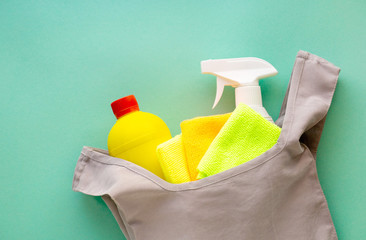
245, 135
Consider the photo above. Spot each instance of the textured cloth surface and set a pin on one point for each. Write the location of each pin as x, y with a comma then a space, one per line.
172, 160
180, 155
197, 135
245, 135
276, 195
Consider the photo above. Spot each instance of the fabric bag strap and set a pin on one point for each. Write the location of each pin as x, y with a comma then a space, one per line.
307, 100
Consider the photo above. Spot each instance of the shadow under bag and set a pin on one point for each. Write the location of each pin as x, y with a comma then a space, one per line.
276, 195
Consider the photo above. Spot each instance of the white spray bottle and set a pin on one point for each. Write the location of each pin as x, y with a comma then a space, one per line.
243, 74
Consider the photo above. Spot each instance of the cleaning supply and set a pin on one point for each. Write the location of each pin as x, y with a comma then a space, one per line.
197, 135
243, 74
136, 134
245, 135
172, 160
277, 195
180, 155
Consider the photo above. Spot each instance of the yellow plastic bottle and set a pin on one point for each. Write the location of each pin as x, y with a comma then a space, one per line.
135, 135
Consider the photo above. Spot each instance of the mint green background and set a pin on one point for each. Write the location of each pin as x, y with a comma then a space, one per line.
63, 62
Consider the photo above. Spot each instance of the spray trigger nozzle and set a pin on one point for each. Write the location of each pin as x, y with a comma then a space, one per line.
237, 72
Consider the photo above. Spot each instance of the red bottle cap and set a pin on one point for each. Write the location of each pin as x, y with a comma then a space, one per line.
124, 105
